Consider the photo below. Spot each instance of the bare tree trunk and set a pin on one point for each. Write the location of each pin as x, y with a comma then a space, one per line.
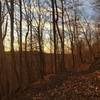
51, 57
40, 53
80, 51
1, 51
12, 26
20, 45
72, 52
14, 72
1, 40
54, 33
62, 44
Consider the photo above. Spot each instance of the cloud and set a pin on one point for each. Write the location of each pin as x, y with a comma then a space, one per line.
87, 9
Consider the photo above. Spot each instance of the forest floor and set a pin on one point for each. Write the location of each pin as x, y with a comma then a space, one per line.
73, 87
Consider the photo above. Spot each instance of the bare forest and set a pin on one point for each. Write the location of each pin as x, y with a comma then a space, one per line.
49, 50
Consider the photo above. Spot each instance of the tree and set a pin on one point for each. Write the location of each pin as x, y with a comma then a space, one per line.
54, 33
13, 71
20, 47
1, 48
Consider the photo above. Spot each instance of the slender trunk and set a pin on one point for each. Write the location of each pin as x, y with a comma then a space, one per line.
40, 53
54, 33
1, 40
51, 57
72, 52
80, 52
1, 51
15, 74
40, 42
12, 26
62, 44
20, 42
20, 47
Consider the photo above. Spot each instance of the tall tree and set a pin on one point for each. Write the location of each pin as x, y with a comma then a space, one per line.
63, 36
54, 33
12, 24
1, 40
1, 49
20, 47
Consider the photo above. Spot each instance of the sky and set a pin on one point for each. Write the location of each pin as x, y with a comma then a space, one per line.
86, 9
89, 10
